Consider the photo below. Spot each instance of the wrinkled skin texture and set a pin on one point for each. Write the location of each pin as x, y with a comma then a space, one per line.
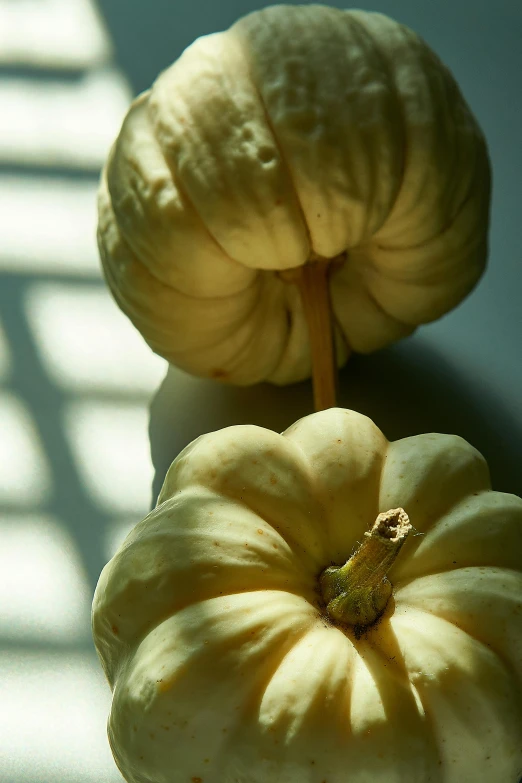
212, 635
300, 131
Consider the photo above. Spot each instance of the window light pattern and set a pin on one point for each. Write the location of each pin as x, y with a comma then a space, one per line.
52, 33
85, 344
109, 442
75, 385
24, 473
48, 226
44, 593
52, 721
61, 123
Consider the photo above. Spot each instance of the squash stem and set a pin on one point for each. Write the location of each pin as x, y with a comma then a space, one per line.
313, 283
357, 593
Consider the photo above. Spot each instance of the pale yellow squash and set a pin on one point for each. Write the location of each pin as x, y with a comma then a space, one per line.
301, 132
225, 662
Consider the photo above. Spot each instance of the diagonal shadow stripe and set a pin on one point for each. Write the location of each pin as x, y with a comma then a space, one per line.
70, 502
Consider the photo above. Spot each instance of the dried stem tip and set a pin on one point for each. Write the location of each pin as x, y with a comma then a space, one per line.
392, 526
357, 592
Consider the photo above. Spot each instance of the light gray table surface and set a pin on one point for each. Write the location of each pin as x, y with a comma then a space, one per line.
91, 421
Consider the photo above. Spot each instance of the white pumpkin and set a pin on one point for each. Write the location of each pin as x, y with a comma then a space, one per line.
303, 132
227, 664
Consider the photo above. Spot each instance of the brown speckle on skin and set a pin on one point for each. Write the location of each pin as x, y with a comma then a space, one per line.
273, 479
218, 374
115, 630
197, 780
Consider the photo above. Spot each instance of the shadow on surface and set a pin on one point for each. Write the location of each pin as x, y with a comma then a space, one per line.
407, 389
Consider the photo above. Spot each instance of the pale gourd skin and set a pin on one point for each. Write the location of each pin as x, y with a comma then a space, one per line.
224, 666
301, 131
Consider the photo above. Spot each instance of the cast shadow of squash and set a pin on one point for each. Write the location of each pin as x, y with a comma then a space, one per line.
406, 389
